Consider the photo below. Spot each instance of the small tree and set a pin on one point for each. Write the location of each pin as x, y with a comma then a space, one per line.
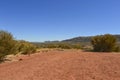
7, 44
104, 43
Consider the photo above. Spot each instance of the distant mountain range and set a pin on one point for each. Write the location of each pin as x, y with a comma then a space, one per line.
85, 39
82, 40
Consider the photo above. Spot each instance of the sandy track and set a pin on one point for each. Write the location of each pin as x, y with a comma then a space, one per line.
63, 65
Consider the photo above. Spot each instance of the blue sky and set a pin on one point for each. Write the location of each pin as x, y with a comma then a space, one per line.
43, 20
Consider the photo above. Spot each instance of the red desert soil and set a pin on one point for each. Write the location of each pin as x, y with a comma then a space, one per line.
63, 65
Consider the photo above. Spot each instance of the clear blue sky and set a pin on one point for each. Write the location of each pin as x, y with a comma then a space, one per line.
42, 20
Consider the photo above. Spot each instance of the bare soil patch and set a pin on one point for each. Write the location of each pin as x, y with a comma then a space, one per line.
63, 65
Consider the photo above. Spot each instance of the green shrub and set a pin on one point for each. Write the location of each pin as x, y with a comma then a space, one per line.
64, 46
117, 49
76, 46
26, 47
104, 43
7, 44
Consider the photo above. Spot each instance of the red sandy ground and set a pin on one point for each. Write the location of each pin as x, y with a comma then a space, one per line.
63, 65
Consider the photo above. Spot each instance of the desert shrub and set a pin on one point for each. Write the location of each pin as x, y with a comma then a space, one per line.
64, 46
26, 47
104, 43
51, 45
76, 46
7, 44
117, 49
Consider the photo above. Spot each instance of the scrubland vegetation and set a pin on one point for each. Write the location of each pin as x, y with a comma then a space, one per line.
8, 45
58, 45
100, 43
105, 43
